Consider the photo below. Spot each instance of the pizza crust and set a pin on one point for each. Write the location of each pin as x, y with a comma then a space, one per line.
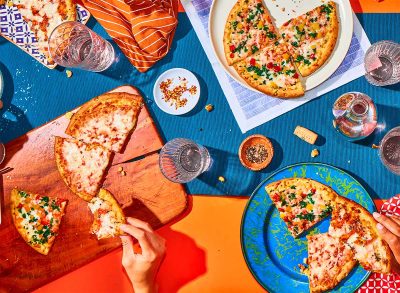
71, 10
101, 106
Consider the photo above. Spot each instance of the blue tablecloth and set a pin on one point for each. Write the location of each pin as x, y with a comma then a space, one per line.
34, 95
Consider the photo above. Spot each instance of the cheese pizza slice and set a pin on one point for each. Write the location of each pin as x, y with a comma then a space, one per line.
107, 214
108, 120
82, 166
354, 225
301, 202
37, 218
43, 16
248, 29
311, 37
329, 262
272, 72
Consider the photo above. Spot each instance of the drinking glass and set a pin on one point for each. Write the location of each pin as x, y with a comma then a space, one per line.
72, 44
182, 160
382, 63
389, 150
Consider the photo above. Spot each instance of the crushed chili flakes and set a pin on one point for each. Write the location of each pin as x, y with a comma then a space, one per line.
256, 153
174, 95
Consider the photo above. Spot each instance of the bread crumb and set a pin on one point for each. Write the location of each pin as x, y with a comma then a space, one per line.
209, 107
374, 146
69, 115
305, 134
9, 3
123, 173
68, 72
314, 153
120, 169
221, 179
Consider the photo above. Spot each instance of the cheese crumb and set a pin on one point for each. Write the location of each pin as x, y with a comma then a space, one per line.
69, 115
120, 169
314, 153
123, 173
9, 3
209, 107
221, 179
69, 73
374, 146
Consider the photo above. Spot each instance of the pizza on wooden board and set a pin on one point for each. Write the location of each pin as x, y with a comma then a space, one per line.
248, 29
355, 226
37, 218
82, 166
43, 16
311, 37
301, 202
107, 214
272, 72
107, 120
329, 262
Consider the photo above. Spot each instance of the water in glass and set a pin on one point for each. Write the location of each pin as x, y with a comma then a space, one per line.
182, 160
72, 44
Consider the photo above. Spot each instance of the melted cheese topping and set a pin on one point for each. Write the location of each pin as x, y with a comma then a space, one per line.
107, 218
108, 129
85, 166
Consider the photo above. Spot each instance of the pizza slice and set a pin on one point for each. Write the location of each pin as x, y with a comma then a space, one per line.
37, 218
43, 16
82, 166
301, 202
108, 120
107, 214
271, 72
248, 29
354, 225
329, 262
311, 37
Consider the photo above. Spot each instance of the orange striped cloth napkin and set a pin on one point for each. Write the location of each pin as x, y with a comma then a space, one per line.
143, 29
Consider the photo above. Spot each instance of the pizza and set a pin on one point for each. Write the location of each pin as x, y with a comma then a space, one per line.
301, 202
272, 72
248, 29
355, 226
43, 16
82, 166
107, 120
107, 214
311, 37
329, 262
37, 218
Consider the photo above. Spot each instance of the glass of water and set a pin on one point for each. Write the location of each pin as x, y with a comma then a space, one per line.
382, 63
182, 160
72, 44
389, 150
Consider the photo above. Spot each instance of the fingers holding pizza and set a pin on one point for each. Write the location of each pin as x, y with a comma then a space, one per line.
389, 229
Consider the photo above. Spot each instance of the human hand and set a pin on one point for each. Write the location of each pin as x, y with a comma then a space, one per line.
142, 267
389, 229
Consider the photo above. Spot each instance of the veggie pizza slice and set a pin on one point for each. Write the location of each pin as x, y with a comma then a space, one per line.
301, 202
248, 29
37, 218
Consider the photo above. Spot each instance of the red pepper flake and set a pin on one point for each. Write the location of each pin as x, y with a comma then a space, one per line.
252, 62
270, 65
296, 75
174, 95
277, 68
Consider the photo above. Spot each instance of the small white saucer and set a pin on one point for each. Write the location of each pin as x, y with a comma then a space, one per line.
174, 74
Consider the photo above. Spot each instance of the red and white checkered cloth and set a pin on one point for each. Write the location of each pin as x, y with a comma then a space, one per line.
379, 282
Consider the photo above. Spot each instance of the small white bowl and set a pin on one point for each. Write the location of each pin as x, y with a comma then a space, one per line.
174, 75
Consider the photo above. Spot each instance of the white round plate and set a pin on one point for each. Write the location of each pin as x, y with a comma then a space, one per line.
220, 10
174, 74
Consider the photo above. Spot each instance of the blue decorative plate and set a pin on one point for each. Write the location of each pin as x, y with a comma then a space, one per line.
271, 252
16, 30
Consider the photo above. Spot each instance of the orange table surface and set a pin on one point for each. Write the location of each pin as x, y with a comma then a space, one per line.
203, 247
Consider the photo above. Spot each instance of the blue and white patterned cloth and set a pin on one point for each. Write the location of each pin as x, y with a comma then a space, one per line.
251, 108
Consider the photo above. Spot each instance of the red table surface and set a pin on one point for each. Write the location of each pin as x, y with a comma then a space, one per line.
203, 246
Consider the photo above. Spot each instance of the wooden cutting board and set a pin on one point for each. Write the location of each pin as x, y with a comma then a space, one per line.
143, 193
